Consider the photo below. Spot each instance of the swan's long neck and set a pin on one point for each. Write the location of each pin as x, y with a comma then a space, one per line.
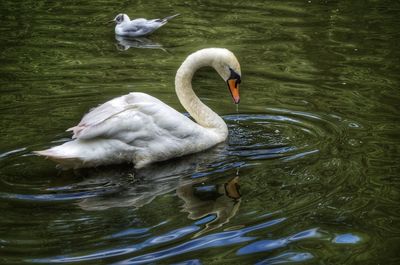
202, 114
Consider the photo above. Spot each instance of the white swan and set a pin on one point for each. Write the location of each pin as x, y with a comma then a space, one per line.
140, 129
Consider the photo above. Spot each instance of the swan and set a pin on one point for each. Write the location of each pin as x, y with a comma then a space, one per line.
140, 129
138, 27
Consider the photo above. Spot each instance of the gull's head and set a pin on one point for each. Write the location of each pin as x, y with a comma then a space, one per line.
228, 67
121, 18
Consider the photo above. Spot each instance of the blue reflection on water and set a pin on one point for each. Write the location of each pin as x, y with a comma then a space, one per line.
270, 244
225, 238
287, 257
213, 240
48, 198
189, 262
129, 232
209, 218
220, 239
346, 239
170, 236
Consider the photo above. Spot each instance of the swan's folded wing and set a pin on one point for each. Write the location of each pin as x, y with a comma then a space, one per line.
99, 114
136, 115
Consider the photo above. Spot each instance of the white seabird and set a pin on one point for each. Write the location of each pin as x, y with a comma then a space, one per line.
138, 27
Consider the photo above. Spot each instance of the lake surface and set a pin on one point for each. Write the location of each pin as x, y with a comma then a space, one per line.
309, 174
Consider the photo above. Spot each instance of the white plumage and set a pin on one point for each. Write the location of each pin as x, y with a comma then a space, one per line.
141, 129
138, 27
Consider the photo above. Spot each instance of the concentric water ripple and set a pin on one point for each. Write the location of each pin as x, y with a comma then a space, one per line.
287, 135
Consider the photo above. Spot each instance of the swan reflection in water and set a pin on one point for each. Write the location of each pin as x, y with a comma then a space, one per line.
204, 193
124, 43
220, 201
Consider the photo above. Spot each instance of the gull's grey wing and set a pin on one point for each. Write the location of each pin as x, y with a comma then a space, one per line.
142, 26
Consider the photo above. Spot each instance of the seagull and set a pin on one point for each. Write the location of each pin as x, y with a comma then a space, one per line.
138, 27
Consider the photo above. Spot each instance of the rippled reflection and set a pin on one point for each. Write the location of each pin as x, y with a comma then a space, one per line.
204, 242
141, 187
268, 245
218, 202
288, 257
124, 43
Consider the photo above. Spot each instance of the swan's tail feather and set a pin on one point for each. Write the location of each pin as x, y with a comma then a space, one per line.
64, 160
78, 153
59, 155
51, 153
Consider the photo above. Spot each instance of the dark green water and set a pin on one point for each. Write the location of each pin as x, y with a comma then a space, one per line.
314, 144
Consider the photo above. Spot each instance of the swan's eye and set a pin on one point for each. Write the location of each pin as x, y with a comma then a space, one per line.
234, 75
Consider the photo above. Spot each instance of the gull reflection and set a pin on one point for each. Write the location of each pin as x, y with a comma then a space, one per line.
124, 43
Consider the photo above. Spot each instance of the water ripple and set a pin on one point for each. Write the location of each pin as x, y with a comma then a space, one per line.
280, 134
209, 241
268, 245
288, 257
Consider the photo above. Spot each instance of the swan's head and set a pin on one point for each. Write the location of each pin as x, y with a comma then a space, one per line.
120, 18
222, 60
228, 67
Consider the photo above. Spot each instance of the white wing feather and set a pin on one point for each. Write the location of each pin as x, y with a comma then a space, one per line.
135, 117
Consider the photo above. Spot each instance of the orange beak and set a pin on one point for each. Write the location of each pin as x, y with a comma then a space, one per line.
233, 86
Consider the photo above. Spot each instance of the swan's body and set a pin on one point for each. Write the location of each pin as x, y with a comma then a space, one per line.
141, 129
138, 27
